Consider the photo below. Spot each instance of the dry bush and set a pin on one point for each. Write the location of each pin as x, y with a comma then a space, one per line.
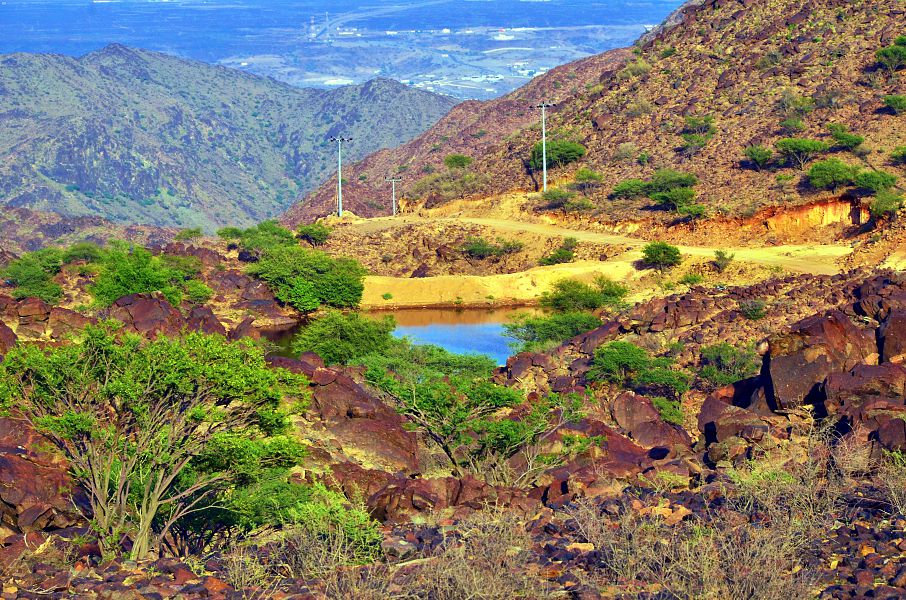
246, 573
852, 456
309, 554
892, 477
486, 561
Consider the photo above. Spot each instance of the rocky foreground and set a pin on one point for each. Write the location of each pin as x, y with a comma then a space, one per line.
781, 482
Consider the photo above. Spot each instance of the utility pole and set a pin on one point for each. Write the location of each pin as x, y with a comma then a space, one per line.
339, 141
544, 106
393, 181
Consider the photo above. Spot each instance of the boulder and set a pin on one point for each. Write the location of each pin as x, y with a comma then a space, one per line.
8, 338
638, 416
148, 314
892, 337
846, 392
800, 361
719, 421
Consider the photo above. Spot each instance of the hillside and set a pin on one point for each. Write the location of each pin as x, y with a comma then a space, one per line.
140, 137
746, 64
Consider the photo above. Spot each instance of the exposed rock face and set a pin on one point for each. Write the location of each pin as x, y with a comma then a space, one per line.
148, 314
36, 492
892, 337
802, 360
638, 416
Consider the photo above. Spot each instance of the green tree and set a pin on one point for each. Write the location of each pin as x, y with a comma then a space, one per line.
664, 180
32, 275
873, 182
339, 338
480, 248
722, 260
674, 198
618, 362
892, 57
661, 255
131, 415
586, 179
563, 254
885, 205
843, 138
630, 189
831, 174
759, 155
187, 235
571, 295
125, 271
457, 161
307, 279
559, 154
800, 151
263, 237
315, 234
88, 252
722, 364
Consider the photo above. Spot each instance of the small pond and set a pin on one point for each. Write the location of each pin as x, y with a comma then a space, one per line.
462, 331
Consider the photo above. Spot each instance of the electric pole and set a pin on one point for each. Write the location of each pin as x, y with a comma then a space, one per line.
544, 106
339, 141
393, 181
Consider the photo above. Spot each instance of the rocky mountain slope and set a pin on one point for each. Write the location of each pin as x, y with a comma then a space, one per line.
747, 65
140, 137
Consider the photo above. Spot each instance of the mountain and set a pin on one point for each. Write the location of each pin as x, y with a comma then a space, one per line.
743, 65
140, 137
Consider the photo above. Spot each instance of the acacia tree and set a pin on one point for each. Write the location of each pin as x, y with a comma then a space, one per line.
132, 414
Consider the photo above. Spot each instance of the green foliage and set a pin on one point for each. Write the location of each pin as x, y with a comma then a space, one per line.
309, 279
480, 248
125, 271
83, 251
340, 339
800, 151
843, 138
670, 410
263, 237
898, 156
674, 198
143, 418
792, 126
886, 204
892, 57
759, 155
874, 182
32, 275
630, 189
457, 161
661, 255
315, 234
197, 292
449, 185
634, 69
753, 310
896, 103
557, 197
536, 334
722, 364
563, 254
693, 212
794, 105
230, 233
722, 260
831, 174
586, 179
697, 132
691, 279
570, 295
664, 180
626, 364
559, 154
187, 235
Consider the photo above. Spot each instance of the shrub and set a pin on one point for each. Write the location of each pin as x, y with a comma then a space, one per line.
626, 364
792, 126
197, 292
563, 254
557, 197
449, 185
753, 310
722, 364
691, 279
722, 260
892, 57
630, 189
793, 105
874, 182
457, 161
125, 271
800, 151
480, 248
697, 132
315, 234
898, 156
885, 205
559, 153
187, 235
586, 179
896, 103
536, 334
661, 255
578, 204
674, 198
340, 339
693, 212
145, 411
626, 151
635, 68
831, 174
261, 238
670, 410
759, 155
843, 138
664, 180
229, 233
637, 108
83, 251
570, 295
308, 279
32, 275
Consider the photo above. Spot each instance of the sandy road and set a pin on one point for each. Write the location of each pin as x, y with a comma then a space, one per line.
527, 285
